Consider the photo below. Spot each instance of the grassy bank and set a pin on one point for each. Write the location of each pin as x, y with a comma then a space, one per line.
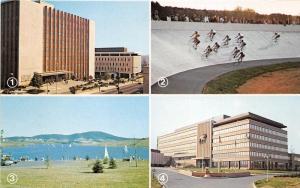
78, 174
155, 183
229, 82
278, 182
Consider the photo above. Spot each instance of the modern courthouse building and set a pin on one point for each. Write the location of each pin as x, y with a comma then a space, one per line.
117, 61
37, 38
244, 141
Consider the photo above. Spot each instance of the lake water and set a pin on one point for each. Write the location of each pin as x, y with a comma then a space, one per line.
66, 151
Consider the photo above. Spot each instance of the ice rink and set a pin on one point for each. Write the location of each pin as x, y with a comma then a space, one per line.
172, 50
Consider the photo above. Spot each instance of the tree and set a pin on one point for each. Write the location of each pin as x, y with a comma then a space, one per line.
72, 90
98, 167
112, 163
36, 81
106, 76
105, 160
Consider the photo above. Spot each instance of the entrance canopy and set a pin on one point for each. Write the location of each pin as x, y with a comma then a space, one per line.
45, 74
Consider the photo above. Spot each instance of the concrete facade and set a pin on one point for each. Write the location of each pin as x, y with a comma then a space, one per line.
242, 141
45, 41
117, 60
181, 145
158, 159
145, 70
294, 161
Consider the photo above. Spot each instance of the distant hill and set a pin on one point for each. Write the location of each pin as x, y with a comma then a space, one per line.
92, 136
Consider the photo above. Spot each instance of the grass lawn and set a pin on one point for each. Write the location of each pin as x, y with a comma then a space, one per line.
78, 174
229, 82
279, 182
155, 183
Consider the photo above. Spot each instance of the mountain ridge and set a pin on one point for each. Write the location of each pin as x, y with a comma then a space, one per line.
75, 137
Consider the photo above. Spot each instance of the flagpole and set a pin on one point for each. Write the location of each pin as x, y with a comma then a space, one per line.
219, 152
235, 153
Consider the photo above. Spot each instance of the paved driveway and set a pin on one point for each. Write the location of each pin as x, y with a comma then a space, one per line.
176, 180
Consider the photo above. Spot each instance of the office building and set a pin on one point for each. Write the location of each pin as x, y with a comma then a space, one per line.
37, 38
115, 61
244, 141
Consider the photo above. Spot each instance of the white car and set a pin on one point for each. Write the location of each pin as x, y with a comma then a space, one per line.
8, 163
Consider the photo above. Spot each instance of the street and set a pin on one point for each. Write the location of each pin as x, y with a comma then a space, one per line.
177, 180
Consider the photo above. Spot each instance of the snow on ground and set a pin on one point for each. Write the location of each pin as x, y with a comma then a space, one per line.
172, 50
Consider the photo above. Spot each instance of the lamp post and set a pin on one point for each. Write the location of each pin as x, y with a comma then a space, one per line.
100, 84
219, 152
235, 155
118, 79
267, 157
1, 142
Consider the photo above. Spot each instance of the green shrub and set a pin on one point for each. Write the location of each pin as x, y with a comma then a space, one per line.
35, 91
72, 90
112, 163
98, 167
105, 160
36, 81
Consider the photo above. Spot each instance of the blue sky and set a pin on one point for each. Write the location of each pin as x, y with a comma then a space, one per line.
118, 23
28, 116
171, 112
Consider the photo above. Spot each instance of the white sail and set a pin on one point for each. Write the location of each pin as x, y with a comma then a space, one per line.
125, 149
106, 153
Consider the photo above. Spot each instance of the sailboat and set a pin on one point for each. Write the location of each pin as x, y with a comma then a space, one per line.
125, 149
106, 153
125, 153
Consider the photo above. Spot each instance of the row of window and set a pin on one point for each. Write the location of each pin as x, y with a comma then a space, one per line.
251, 126
248, 136
230, 138
61, 23
189, 132
69, 39
112, 59
265, 155
69, 17
264, 146
231, 154
231, 129
112, 69
64, 58
231, 146
62, 48
269, 131
232, 164
184, 148
268, 139
111, 64
79, 32
180, 140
